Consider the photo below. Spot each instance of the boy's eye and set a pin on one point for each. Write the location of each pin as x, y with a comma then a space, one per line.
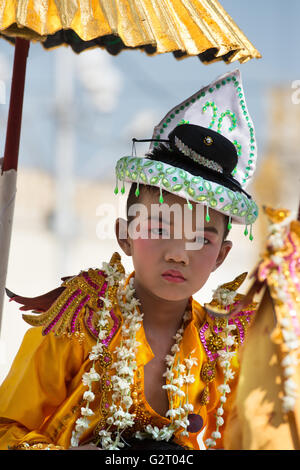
159, 231
201, 239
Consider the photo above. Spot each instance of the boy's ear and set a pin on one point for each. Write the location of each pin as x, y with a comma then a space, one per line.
121, 230
224, 250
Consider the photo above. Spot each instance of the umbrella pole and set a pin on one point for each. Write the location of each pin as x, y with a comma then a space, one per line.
9, 164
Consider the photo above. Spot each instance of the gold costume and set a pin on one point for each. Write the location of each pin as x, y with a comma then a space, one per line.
42, 396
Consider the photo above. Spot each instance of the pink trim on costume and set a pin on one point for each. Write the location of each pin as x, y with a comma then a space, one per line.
78, 309
89, 323
202, 331
106, 341
293, 263
89, 281
62, 311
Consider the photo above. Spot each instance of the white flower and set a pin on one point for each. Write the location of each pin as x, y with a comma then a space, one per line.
292, 345
175, 348
188, 407
89, 396
224, 388
179, 381
290, 386
289, 360
220, 411
210, 443
229, 341
284, 322
226, 354
229, 374
172, 413
219, 421
224, 363
86, 411
288, 404
169, 360
74, 440
152, 430
89, 377
289, 335
81, 424
181, 368
223, 399
189, 379
288, 371
169, 374
224, 296
230, 327
177, 337
190, 362
127, 401
216, 435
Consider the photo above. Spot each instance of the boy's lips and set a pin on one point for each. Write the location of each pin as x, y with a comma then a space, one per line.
173, 276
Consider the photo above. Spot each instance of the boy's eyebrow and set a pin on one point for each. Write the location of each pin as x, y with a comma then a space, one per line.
206, 229
211, 229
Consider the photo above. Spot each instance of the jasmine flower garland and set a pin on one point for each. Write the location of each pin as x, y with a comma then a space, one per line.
119, 416
225, 361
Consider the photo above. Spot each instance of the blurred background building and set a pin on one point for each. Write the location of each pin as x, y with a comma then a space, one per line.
80, 113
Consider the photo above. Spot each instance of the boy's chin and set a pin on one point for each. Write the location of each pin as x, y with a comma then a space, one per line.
172, 293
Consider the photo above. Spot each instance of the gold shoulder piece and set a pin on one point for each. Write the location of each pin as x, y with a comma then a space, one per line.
82, 295
225, 296
236, 283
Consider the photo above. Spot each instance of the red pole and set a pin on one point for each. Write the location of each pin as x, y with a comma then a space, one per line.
13, 130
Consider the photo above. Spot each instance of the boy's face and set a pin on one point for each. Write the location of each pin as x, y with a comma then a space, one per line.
165, 260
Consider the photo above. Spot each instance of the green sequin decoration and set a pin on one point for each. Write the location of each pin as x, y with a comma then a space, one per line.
154, 180
165, 182
177, 187
143, 177
196, 179
191, 192
215, 109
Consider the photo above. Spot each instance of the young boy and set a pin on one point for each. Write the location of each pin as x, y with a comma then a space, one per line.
138, 358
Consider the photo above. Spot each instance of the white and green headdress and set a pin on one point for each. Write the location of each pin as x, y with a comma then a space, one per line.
213, 135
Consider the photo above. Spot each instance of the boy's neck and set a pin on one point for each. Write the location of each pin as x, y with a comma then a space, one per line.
160, 315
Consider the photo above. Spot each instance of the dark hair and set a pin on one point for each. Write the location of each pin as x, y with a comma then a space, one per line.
133, 199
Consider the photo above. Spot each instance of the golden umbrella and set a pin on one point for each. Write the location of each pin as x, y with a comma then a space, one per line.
184, 27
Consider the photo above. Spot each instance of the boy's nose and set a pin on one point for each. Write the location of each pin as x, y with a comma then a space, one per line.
177, 253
